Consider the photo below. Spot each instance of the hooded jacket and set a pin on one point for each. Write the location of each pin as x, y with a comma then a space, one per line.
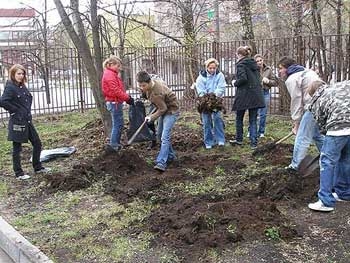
207, 83
330, 107
249, 94
297, 82
112, 87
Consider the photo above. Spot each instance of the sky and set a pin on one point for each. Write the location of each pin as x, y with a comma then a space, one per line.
53, 17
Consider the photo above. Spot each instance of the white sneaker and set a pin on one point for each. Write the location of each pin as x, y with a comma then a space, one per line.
319, 206
337, 198
262, 135
43, 171
23, 177
208, 147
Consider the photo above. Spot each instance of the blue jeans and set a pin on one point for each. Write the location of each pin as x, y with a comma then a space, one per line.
335, 157
253, 113
262, 112
308, 131
213, 128
165, 125
116, 110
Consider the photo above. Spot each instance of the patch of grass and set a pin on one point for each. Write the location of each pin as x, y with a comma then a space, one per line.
3, 189
273, 233
192, 172
232, 228
170, 257
207, 185
219, 171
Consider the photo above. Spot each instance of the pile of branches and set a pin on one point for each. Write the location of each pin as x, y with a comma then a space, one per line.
210, 103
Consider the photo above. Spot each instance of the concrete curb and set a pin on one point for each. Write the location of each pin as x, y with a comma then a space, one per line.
17, 247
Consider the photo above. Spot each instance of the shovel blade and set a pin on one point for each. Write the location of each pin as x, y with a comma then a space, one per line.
308, 165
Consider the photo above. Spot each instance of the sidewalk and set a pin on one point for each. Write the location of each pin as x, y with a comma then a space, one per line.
4, 258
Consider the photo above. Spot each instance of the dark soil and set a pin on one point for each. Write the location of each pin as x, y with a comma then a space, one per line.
188, 223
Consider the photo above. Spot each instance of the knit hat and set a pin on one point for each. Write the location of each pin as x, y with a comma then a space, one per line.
211, 60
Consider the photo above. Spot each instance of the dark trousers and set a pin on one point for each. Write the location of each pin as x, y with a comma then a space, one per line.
17, 148
253, 113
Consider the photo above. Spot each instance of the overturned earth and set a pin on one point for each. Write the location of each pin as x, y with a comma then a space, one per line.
205, 199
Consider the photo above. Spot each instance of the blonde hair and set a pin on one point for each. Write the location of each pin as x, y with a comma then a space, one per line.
112, 60
210, 61
258, 56
14, 69
314, 86
245, 51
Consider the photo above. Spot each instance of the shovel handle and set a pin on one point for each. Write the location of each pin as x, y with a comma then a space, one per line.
136, 133
285, 138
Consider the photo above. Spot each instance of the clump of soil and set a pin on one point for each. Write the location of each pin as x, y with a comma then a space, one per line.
185, 141
210, 103
195, 224
112, 165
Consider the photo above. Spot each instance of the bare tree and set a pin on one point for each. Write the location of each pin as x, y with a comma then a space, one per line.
93, 65
247, 24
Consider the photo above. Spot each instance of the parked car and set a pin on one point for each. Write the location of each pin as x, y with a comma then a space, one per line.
36, 85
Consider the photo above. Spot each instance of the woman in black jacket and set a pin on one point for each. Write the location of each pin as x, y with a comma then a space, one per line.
17, 100
249, 95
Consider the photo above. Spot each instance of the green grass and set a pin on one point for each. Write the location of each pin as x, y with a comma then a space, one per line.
3, 189
210, 184
51, 131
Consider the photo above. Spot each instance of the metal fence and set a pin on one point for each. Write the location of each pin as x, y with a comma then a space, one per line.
66, 87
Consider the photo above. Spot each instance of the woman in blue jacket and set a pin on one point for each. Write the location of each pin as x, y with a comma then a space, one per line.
211, 80
17, 100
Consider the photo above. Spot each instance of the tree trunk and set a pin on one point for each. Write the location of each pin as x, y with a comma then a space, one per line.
339, 42
298, 26
275, 21
94, 71
189, 48
321, 49
279, 49
247, 24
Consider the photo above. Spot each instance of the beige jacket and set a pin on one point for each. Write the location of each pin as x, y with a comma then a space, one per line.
297, 83
163, 98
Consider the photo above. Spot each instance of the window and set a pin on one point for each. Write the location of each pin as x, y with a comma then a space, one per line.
4, 35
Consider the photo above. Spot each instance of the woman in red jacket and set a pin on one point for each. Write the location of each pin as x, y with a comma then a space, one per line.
115, 95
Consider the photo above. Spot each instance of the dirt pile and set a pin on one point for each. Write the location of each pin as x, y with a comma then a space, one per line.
195, 224
281, 183
111, 165
184, 141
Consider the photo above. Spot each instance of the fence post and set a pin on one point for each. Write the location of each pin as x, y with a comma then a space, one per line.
81, 92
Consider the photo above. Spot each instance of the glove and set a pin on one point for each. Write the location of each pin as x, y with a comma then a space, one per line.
130, 101
265, 80
148, 119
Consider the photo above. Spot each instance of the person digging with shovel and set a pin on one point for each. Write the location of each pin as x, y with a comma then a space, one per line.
167, 113
330, 107
297, 79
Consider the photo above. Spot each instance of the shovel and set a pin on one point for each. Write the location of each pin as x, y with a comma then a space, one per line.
268, 147
308, 165
133, 137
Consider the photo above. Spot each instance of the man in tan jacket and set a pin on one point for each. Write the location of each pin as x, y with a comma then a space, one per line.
305, 127
167, 113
